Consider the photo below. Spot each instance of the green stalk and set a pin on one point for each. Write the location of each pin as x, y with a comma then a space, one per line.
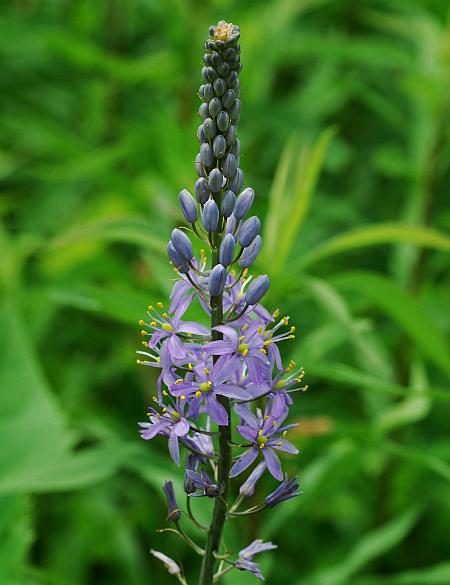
220, 505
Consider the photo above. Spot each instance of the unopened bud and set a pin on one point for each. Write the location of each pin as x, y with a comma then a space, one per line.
244, 202
250, 253
210, 216
226, 252
248, 231
257, 289
228, 202
177, 260
182, 244
201, 190
217, 280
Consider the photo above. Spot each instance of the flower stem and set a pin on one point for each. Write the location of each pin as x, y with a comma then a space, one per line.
220, 505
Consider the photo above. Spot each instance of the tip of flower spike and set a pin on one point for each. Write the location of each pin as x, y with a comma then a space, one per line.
224, 31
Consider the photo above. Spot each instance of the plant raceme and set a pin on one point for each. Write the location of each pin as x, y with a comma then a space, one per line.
226, 377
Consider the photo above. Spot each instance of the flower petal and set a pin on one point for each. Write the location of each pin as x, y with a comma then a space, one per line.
215, 410
245, 413
273, 463
283, 445
174, 448
231, 391
244, 461
247, 432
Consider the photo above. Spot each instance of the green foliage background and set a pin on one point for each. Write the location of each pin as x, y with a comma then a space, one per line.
345, 134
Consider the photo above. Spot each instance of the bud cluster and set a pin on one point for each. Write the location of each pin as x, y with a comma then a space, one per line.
229, 373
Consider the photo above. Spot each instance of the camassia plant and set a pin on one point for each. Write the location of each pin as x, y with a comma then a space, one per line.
223, 393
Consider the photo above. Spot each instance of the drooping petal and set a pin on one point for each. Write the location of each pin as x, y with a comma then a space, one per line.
244, 461
192, 327
273, 463
174, 448
215, 410
182, 306
229, 332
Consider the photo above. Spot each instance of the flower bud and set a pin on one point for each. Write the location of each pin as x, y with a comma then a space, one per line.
228, 98
215, 180
226, 252
199, 167
231, 134
249, 230
203, 111
188, 206
223, 69
177, 260
201, 135
209, 128
244, 202
250, 253
232, 224
228, 202
219, 146
223, 121
201, 190
237, 181
229, 166
236, 148
173, 511
235, 111
220, 86
217, 280
206, 155
182, 244
210, 216
257, 290
215, 106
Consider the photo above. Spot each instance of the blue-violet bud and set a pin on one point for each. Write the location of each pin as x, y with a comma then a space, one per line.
226, 252
210, 216
201, 190
173, 509
215, 180
228, 202
257, 290
217, 280
244, 202
249, 230
182, 244
188, 206
177, 260
250, 253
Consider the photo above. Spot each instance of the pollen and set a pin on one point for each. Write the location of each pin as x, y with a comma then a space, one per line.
142, 322
293, 329
245, 327
260, 432
160, 305
190, 366
268, 342
285, 320
245, 352
182, 397
260, 329
206, 371
198, 394
150, 307
241, 337
274, 424
165, 393
165, 315
276, 313
143, 333
285, 433
223, 31
305, 388
291, 336
138, 362
179, 381
154, 324
262, 350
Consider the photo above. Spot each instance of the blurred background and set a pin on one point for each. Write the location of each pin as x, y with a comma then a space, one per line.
345, 138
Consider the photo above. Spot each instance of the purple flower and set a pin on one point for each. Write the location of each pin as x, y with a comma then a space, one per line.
254, 548
171, 423
285, 491
245, 347
207, 383
202, 481
173, 512
266, 434
245, 565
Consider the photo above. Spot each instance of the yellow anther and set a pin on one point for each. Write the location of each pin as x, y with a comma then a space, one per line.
165, 315
284, 433
291, 336
154, 324
164, 410
245, 352
165, 393
138, 362
182, 397
143, 333
189, 334
260, 329
160, 305
142, 322
154, 399
293, 329
245, 327
305, 388
206, 371
150, 307
198, 394
276, 313
241, 337
262, 446
202, 252
274, 424
144, 343
266, 417
262, 350
179, 381
244, 274
190, 366
268, 342
285, 320
149, 414
260, 432
279, 444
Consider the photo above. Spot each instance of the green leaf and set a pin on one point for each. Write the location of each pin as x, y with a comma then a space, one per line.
375, 235
16, 537
403, 308
372, 545
292, 202
438, 574
39, 454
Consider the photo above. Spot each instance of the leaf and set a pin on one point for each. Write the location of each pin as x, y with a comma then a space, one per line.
420, 456
293, 202
438, 574
16, 537
405, 310
39, 455
369, 547
375, 235
130, 230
